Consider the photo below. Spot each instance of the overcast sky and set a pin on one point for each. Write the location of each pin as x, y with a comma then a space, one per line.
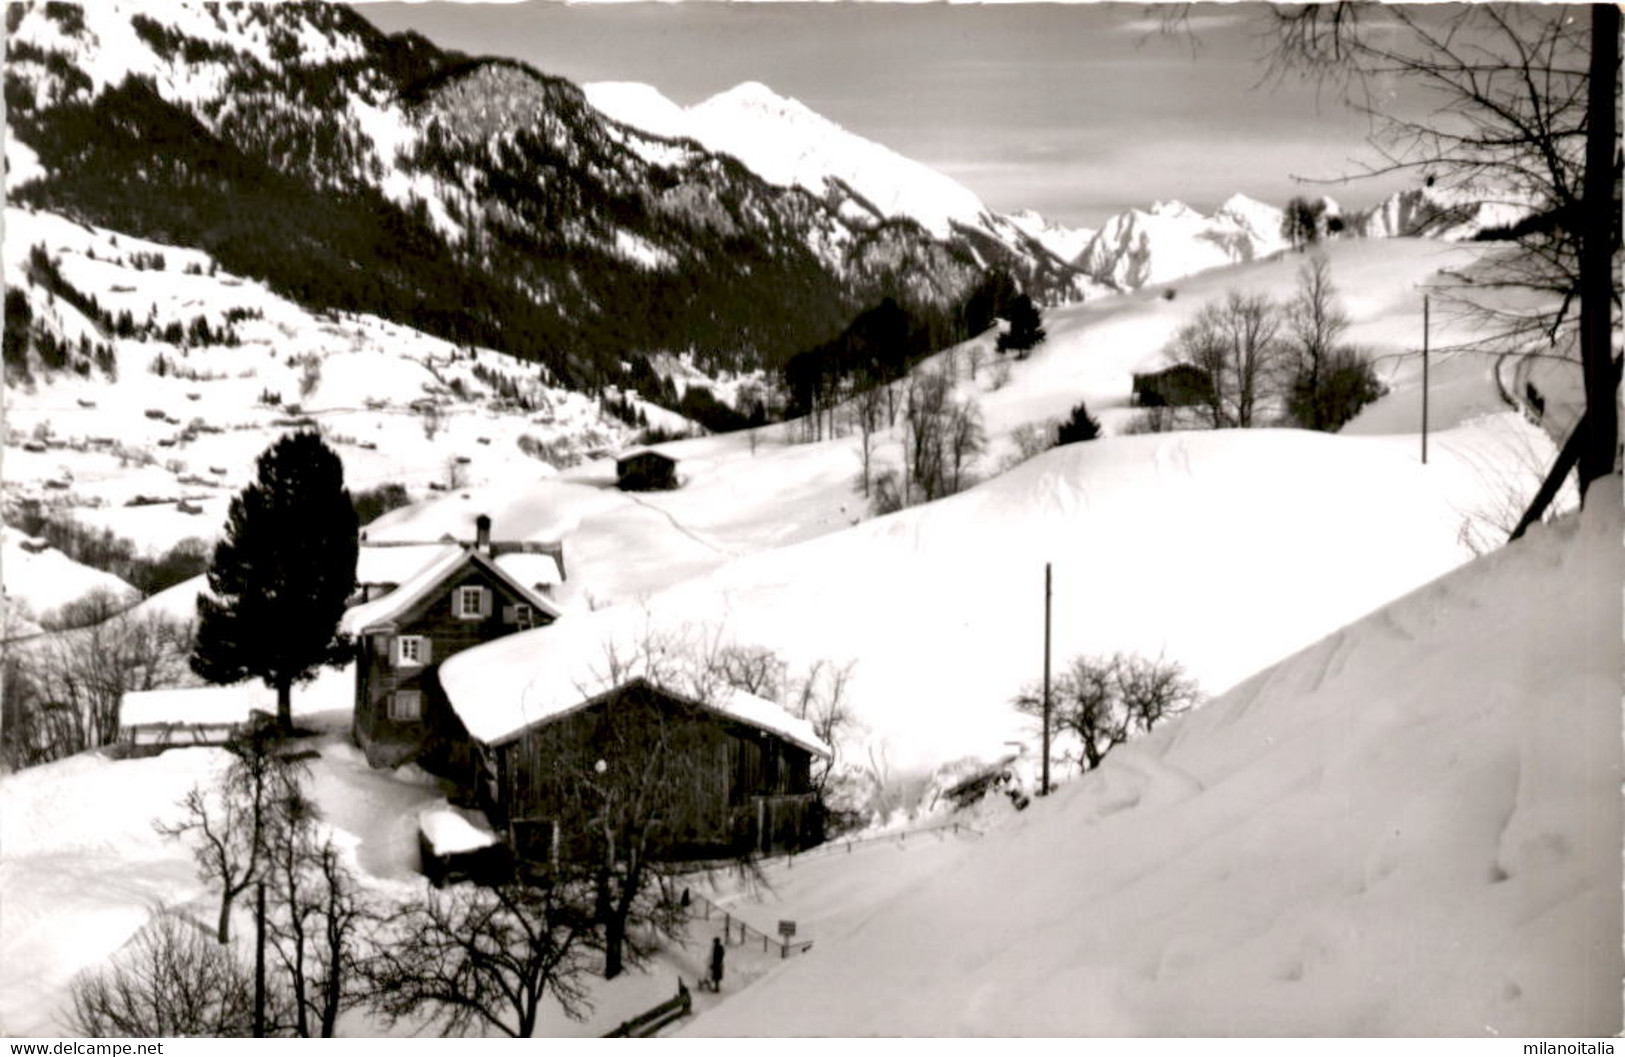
1078, 111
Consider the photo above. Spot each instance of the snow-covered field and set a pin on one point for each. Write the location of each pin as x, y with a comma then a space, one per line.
184, 422
1410, 828
1311, 852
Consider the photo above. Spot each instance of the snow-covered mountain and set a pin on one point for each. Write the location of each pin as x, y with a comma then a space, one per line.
477, 199
1171, 240
1066, 243
788, 144
1438, 213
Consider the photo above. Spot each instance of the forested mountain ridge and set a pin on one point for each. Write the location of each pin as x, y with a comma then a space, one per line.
477, 200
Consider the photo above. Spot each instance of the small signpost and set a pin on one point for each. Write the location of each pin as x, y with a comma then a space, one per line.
787, 932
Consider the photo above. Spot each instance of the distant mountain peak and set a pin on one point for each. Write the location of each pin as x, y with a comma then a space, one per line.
787, 143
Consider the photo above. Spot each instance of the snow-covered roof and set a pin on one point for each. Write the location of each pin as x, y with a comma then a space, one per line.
396, 564
502, 687
638, 453
453, 830
333, 689
726, 700
532, 570
428, 579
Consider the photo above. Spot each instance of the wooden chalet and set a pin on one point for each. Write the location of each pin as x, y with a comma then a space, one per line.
466, 596
645, 471
735, 773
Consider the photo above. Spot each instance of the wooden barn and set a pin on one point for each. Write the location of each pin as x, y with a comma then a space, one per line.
645, 471
728, 776
463, 598
1182, 385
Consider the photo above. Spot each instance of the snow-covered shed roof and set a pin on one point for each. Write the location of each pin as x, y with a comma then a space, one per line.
453, 830
644, 453
333, 689
500, 688
393, 605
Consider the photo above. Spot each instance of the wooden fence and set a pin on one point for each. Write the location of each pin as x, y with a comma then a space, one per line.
734, 926
898, 837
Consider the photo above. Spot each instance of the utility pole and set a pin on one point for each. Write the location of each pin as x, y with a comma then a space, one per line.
1044, 787
1424, 379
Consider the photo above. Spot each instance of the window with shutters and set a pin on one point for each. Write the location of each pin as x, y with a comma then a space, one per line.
471, 603
406, 706
524, 616
411, 651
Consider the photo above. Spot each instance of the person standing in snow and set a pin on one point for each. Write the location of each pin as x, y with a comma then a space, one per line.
717, 955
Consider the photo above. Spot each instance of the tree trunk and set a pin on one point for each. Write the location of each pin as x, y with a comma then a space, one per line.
259, 960
284, 705
223, 932
1597, 251
614, 941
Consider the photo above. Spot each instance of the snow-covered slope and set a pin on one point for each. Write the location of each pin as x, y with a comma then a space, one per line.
1412, 827
155, 451
1196, 546
42, 578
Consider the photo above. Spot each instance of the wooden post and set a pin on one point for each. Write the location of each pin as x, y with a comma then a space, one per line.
1044, 787
1424, 379
259, 960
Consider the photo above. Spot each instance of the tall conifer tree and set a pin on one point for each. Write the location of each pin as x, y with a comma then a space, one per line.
281, 575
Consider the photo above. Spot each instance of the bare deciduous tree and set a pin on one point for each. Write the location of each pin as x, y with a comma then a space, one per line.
64, 689
941, 438
1235, 343
967, 439
1330, 381
1104, 701
869, 410
1523, 109
317, 915
170, 981
484, 958
229, 827
819, 697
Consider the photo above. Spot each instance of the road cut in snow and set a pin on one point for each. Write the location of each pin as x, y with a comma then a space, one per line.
1411, 827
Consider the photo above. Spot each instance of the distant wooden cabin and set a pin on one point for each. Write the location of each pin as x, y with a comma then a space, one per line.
645, 471
1182, 385
468, 595
739, 779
